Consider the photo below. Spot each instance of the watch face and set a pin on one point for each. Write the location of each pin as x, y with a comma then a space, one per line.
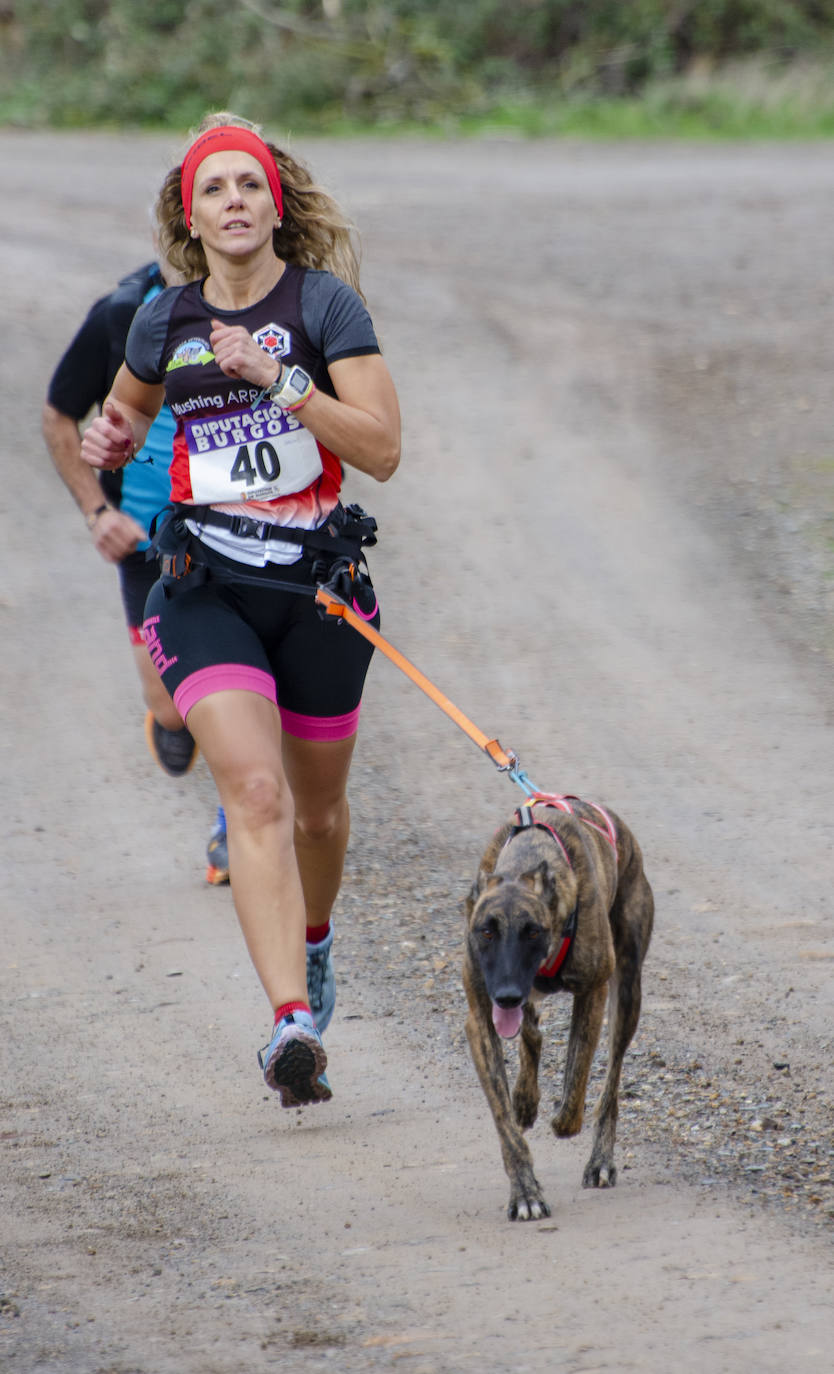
297, 379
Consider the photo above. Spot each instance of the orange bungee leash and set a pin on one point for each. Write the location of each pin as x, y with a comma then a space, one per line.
504, 760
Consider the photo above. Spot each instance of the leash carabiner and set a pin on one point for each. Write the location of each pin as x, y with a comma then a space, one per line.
519, 776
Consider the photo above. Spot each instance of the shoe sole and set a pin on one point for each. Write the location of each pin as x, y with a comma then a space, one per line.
155, 756
295, 1071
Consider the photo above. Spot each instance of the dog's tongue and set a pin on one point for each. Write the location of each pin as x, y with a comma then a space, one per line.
507, 1020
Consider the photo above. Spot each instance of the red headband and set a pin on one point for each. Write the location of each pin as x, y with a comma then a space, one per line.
228, 138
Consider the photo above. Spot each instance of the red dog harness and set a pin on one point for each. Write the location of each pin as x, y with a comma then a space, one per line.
524, 820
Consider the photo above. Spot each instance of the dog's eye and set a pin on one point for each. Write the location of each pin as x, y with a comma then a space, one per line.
486, 932
534, 933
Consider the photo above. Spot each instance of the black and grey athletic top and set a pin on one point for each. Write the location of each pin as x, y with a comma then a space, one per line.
228, 452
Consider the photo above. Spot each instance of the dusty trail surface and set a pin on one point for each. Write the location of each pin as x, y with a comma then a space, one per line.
608, 544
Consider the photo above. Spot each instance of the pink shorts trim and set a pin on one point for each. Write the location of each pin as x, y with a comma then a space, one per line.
223, 677
320, 727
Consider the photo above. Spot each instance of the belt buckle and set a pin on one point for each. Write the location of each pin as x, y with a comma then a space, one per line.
251, 529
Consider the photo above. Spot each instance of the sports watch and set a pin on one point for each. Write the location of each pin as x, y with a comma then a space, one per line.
293, 387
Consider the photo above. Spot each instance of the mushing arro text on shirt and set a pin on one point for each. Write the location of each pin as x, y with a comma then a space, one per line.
244, 397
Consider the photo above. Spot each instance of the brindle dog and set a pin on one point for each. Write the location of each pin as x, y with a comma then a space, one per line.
561, 904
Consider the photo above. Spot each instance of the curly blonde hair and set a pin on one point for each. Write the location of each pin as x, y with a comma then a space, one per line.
314, 231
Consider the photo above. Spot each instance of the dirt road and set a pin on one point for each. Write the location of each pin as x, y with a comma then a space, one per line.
609, 543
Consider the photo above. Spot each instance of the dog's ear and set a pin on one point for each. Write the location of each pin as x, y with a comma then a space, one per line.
540, 881
485, 882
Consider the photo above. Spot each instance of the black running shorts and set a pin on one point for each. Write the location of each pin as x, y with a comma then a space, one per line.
224, 634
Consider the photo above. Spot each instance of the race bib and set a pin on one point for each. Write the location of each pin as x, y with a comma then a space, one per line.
250, 456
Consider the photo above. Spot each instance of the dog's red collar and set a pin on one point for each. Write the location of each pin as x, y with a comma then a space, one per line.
552, 967
524, 820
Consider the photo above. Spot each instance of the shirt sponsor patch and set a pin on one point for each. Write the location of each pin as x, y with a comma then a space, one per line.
192, 353
273, 339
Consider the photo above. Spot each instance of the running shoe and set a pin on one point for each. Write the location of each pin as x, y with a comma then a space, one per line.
321, 982
217, 852
174, 750
294, 1061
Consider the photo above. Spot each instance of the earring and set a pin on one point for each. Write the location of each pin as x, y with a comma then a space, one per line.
195, 233
278, 222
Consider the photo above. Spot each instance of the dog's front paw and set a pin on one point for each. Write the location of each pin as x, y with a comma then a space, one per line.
567, 1121
527, 1204
599, 1173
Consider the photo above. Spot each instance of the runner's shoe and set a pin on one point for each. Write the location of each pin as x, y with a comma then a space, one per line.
174, 750
294, 1061
217, 852
321, 982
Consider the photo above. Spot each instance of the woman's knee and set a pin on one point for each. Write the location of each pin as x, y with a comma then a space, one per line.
259, 800
322, 822
318, 775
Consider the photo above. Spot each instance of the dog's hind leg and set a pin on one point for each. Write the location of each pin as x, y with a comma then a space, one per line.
526, 1197
632, 917
623, 1015
585, 1026
526, 1091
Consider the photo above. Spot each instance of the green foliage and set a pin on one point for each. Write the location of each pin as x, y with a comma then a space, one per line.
318, 63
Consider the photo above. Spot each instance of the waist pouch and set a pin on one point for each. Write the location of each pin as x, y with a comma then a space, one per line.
333, 551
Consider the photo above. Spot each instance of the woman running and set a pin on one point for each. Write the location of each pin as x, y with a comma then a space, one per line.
271, 367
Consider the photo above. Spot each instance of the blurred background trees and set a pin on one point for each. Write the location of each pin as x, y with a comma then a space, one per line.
322, 63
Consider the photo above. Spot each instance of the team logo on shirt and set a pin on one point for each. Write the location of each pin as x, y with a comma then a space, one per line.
192, 353
273, 339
